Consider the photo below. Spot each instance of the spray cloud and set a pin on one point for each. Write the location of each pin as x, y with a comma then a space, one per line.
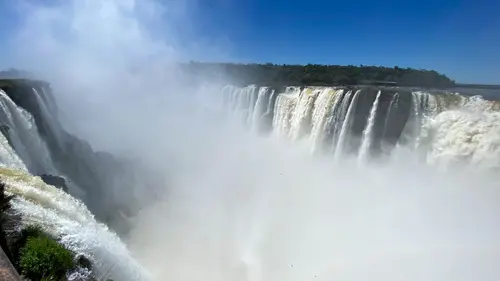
238, 207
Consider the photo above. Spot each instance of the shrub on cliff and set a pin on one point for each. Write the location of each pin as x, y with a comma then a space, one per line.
44, 258
20, 240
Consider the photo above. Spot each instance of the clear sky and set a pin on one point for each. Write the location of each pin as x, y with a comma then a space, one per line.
460, 38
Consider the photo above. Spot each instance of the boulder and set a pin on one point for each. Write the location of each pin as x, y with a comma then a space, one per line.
56, 181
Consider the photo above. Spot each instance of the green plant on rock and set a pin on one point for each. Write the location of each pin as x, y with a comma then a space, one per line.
20, 241
44, 259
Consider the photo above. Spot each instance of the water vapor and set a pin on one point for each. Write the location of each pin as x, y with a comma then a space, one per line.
112, 64
236, 206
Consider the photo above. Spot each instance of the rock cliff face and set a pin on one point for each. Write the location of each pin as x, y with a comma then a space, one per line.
7, 271
99, 174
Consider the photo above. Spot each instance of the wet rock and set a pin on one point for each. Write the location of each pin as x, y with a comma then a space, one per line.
83, 262
56, 181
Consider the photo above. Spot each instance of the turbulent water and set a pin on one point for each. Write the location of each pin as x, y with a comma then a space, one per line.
23, 155
69, 220
447, 127
252, 208
330, 183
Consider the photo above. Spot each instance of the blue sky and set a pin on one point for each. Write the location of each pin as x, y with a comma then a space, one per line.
460, 38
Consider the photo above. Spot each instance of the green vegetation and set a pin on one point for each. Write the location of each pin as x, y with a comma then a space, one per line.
299, 75
20, 241
479, 86
324, 75
38, 256
44, 259
34, 253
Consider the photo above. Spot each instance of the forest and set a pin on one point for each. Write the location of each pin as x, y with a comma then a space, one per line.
321, 75
300, 75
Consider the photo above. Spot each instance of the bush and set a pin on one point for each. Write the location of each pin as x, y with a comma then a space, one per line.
20, 240
43, 258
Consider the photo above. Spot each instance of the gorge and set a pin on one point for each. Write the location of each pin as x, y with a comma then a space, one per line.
356, 130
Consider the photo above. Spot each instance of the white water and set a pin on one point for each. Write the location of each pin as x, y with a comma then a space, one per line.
50, 116
24, 136
301, 119
367, 132
267, 212
261, 106
69, 220
284, 112
262, 211
253, 209
270, 212
346, 126
323, 108
55, 211
8, 157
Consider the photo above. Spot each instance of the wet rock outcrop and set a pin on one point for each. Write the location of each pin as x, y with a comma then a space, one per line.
56, 181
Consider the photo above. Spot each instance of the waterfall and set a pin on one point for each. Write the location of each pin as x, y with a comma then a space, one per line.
8, 157
338, 119
367, 133
328, 116
323, 106
301, 117
25, 154
284, 112
68, 219
346, 125
260, 108
24, 136
393, 103
49, 116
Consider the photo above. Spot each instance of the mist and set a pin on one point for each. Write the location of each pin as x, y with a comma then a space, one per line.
237, 206
111, 66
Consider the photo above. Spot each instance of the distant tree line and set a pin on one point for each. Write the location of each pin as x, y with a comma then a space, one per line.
479, 86
322, 75
298, 75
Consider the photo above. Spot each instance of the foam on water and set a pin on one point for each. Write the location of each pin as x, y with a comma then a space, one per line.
69, 220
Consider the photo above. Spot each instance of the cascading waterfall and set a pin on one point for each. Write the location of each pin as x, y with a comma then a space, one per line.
24, 136
8, 157
284, 112
346, 125
392, 104
251, 101
23, 154
330, 117
368, 132
49, 116
301, 119
332, 124
69, 220
338, 120
332, 120
260, 108
322, 110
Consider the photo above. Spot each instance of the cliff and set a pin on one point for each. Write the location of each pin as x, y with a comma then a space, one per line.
7, 271
99, 174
